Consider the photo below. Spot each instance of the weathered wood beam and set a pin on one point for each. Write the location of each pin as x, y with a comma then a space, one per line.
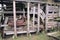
29, 0
10, 12
34, 16
38, 17
28, 17
46, 17
14, 13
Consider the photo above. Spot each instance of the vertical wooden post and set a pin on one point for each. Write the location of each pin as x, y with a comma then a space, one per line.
46, 17
33, 16
53, 14
14, 13
23, 12
58, 23
28, 17
2, 8
38, 17
59, 10
3, 14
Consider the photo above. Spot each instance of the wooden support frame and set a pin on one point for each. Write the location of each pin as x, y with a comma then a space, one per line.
14, 13
28, 16
47, 18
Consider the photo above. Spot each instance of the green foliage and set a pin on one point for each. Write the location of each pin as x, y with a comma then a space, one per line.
40, 36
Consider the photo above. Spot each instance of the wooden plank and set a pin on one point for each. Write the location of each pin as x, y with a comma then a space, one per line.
29, 0
34, 16
23, 12
18, 32
38, 17
7, 12
14, 13
28, 17
46, 17
59, 11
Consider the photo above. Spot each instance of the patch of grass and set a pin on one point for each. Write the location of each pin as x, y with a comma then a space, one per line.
41, 36
0, 37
